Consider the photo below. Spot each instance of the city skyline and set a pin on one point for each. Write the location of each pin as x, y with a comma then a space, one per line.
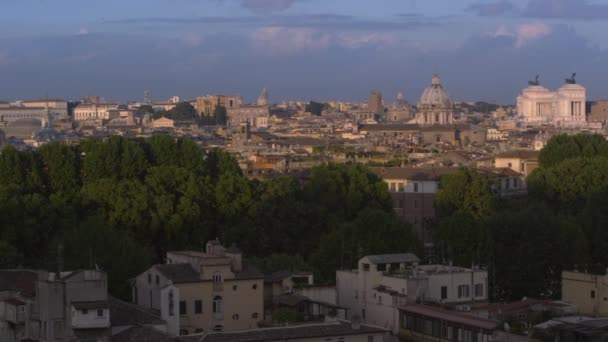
302, 50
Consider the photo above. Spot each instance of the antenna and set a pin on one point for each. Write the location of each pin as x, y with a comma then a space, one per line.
60, 258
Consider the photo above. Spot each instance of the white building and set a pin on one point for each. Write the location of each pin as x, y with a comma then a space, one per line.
94, 111
382, 283
562, 108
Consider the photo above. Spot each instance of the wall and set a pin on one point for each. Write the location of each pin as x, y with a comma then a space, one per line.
588, 292
325, 294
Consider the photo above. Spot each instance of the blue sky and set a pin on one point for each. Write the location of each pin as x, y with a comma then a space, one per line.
298, 49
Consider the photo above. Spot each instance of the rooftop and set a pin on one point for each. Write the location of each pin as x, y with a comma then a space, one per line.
123, 313
450, 316
410, 173
179, 273
340, 328
392, 258
522, 154
142, 334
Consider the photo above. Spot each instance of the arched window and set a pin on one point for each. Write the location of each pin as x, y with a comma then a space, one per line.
171, 303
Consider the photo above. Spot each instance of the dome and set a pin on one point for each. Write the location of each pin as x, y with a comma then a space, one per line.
571, 87
435, 95
536, 89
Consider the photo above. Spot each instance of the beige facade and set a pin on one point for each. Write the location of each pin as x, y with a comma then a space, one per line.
256, 116
375, 103
588, 292
163, 123
205, 105
203, 291
522, 161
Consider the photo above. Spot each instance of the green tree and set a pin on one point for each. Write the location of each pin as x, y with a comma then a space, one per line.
465, 191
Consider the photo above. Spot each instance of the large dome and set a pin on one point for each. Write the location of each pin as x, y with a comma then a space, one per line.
435, 95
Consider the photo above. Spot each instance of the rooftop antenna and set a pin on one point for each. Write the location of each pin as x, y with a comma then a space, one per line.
60, 259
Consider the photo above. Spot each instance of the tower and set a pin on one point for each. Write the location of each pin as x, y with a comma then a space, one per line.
263, 98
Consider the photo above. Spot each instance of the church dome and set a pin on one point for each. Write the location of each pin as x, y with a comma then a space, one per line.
435, 95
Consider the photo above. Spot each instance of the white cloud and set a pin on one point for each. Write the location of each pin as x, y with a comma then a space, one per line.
83, 31
284, 41
524, 34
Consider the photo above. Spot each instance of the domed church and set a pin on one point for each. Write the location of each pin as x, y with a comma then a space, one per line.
435, 106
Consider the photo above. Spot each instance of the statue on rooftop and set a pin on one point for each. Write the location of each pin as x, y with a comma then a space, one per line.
571, 80
536, 82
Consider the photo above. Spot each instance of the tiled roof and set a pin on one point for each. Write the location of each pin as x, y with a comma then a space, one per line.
123, 313
142, 334
249, 272
522, 154
293, 333
179, 273
19, 280
412, 173
450, 316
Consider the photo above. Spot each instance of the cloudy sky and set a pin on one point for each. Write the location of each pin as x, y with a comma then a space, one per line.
298, 49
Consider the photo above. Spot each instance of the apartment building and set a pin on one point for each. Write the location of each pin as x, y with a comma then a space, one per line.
200, 292
383, 283
413, 192
48, 306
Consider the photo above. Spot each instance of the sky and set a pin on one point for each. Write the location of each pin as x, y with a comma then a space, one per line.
484, 50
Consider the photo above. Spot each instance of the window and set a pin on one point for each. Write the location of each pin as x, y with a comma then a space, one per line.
183, 331
254, 286
171, 304
415, 187
366, 267
157, 279
415, 204
401, 187
515, 182
99, 312
437, 120
363, 313
217, 305
235, 317
381, 267
400, 203
198, 306
217, 277
234, 287
85, 311
149, 278
478, 290
393, 187
182, 307
463, 291
592, 293
255, 315
444, 292
510, 165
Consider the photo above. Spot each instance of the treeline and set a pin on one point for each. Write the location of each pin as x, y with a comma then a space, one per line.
527, 242
121, 204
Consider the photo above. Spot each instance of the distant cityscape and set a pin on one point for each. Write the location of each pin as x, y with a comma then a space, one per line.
445, 170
